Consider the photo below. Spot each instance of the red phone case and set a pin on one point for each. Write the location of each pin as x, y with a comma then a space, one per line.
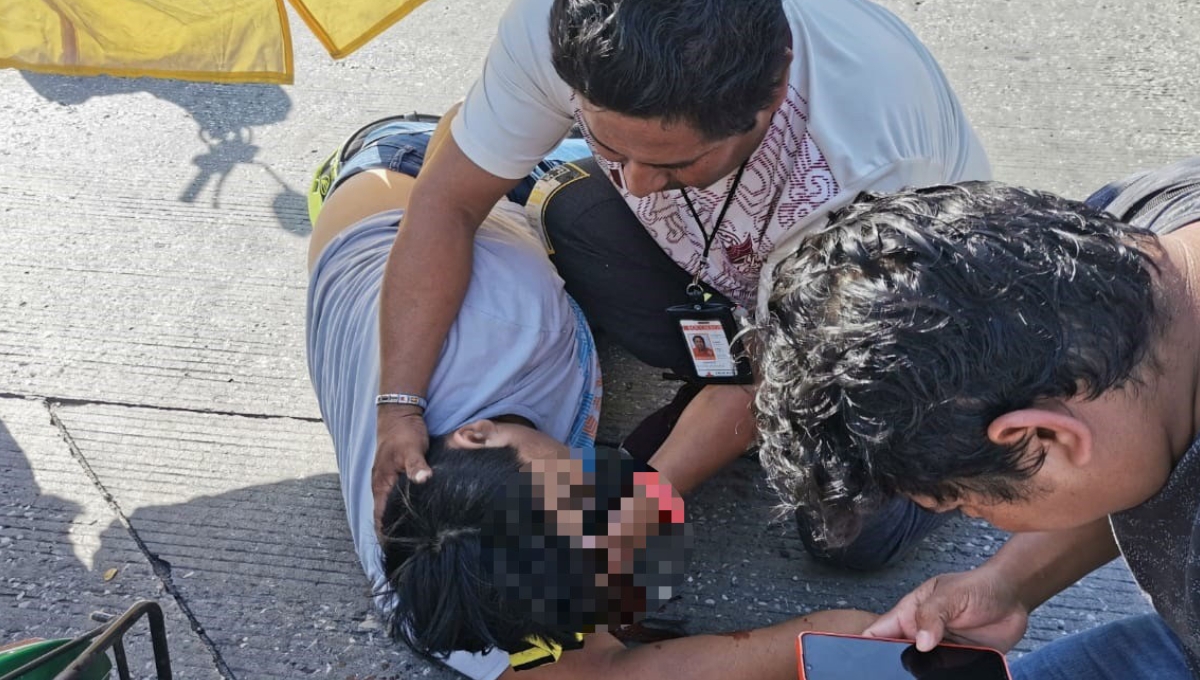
800, 648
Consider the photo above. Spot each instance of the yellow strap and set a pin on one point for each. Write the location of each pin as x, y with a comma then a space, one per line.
539, 653
322, 182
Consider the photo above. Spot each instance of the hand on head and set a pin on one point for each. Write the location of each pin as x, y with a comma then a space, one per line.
402, 446
402, 441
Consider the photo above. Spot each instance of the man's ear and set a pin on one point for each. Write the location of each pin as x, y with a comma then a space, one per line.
1050, 431
474, 435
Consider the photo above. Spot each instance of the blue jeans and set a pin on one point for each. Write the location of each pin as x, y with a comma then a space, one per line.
400, 146
1130, 649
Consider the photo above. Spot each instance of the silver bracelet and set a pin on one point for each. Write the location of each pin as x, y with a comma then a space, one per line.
403, 400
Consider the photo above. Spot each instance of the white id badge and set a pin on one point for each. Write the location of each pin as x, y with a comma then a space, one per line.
708, 348
709, 334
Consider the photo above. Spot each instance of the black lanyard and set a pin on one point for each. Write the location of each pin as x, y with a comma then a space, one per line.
694, 290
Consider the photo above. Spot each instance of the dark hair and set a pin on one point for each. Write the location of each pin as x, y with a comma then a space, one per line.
896, 337
433, 557
477, 561
713, 64
557, 576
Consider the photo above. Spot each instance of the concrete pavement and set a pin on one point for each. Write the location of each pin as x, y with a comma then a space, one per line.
155, 414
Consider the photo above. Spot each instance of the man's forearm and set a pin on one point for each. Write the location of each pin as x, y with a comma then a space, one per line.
429, 267
424, 284
1042, 564
714, 429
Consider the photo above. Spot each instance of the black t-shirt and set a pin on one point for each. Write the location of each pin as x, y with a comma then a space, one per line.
1161, 537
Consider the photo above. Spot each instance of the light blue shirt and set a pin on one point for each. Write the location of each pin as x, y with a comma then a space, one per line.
519, 345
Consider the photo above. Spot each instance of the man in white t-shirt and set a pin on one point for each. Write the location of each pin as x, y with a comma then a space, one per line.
723, 132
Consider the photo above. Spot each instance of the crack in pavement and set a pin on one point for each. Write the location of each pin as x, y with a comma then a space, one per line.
70, 401
161, 567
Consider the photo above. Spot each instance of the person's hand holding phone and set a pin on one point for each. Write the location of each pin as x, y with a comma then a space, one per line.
976, 607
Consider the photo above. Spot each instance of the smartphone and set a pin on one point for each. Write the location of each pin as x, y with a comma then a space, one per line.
826, 656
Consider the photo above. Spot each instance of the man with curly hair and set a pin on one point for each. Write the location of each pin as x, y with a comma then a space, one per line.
1022, 358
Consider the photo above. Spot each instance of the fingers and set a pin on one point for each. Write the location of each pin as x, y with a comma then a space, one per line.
381, 486
928, 638
900, 622
415, 467
920, 616
930, 620
890, 625
402, 442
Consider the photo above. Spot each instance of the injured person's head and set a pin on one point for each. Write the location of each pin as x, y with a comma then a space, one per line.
517, 537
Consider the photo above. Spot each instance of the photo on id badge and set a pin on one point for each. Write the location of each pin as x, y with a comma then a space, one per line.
709, 348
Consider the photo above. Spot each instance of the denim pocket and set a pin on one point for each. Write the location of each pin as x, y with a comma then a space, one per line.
408, 159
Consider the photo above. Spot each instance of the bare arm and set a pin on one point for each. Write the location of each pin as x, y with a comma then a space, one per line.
1040, 565
715, 428
424, 284
762, 654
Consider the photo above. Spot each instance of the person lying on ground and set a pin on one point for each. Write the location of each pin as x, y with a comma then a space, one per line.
1027, 359
526, 538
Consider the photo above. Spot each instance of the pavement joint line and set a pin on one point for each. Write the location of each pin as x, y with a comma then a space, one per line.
162, 568
72, 401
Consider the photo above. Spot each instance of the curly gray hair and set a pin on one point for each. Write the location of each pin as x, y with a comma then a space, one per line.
898, 334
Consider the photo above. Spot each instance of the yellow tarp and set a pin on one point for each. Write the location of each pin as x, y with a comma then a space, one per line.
210, 40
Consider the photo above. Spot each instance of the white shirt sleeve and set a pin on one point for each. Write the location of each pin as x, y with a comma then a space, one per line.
879, 104
519, 108
879, 108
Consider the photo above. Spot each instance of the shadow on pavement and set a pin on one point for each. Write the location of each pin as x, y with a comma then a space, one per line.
268, 571
46, 590
31, 522
271, 572
54, 573
226, 116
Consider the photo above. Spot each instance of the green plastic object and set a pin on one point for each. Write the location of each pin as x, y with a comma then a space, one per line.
12, 659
